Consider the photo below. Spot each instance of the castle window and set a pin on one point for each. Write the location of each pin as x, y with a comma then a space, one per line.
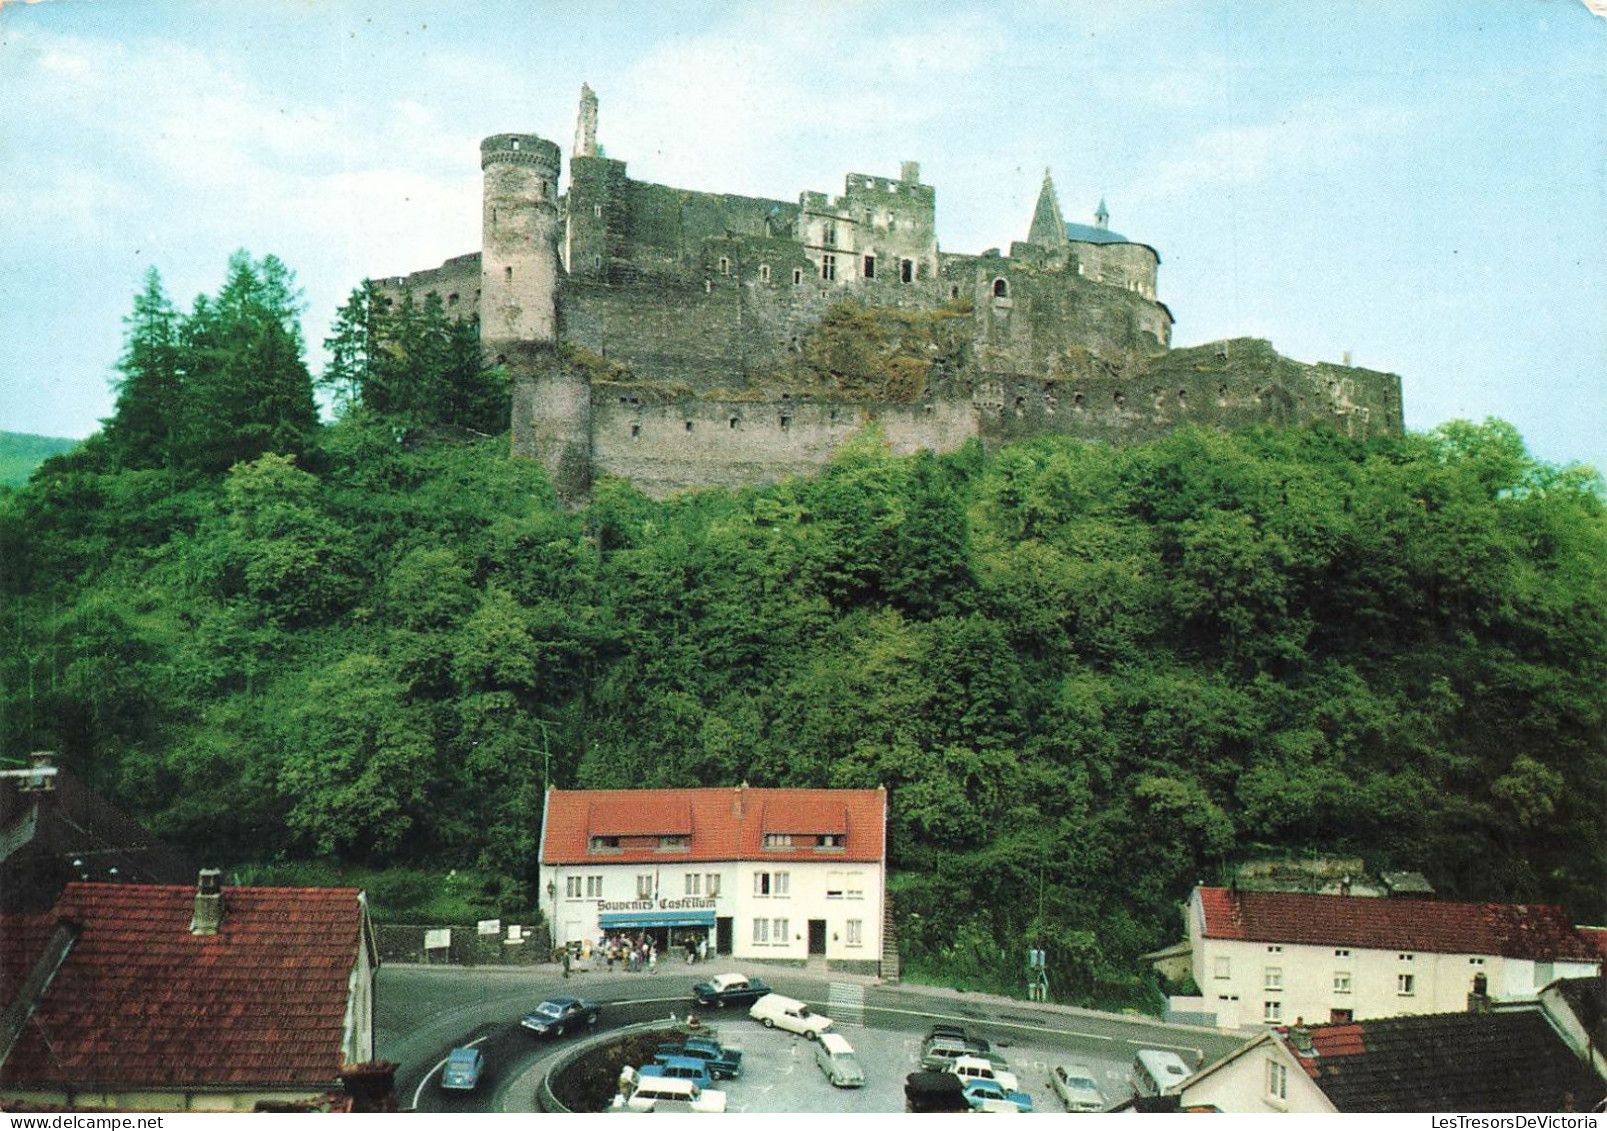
906, 270
828, 235
689, 426
597, 262
725, 265
1001, 288
507, 274
785, 420
797, 276
708, 286
516, 143
954, 292
870, 267
828, 267
451, 300
733, 423
597, 211
636, 431
764, 272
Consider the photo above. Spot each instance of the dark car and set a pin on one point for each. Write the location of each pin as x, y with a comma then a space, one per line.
461, 1072
724, 1063
557, 1015
958, 1033
934, 1091
729, 989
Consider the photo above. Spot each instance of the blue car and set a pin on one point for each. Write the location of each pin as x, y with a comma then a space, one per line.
555, 1016
723, 1063
680, 1068
462, 1070
989, 1095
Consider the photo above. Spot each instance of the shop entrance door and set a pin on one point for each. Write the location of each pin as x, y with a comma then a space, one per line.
722, 935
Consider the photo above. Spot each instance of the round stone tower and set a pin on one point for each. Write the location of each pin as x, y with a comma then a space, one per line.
519, 242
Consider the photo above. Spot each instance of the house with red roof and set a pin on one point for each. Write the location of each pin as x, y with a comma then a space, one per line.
1273, 957
148, 997
764, 874
1510, 1060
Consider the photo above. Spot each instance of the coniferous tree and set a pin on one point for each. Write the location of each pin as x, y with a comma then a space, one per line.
144, 428
353, 345
252, 390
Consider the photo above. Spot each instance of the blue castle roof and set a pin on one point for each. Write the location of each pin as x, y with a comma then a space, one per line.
1085, 233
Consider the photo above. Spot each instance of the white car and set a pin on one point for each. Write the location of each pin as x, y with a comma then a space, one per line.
1074, 1084
837, 1059
778, 1012
969, 1068
665, 1093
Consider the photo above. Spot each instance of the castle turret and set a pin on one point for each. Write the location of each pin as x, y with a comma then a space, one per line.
1048, 226
519, 245
585, 125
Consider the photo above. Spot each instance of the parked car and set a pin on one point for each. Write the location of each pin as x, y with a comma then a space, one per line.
987, 1095
1156, 1071
1074, 1084
958, 1033
836, 1058
665, 1093
981, 1068
557, 1015
939, 1053
462, 1070
729, 989
778, 1012
679, 1068
724, 1063
934, 1091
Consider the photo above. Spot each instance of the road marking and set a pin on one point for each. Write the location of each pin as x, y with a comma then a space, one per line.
1200, 1053
419, 1091
991, 1024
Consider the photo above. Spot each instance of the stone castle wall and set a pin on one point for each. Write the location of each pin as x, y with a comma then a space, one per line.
652, 331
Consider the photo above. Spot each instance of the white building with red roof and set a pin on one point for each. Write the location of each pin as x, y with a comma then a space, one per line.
764, 874
1274, 957
173, 998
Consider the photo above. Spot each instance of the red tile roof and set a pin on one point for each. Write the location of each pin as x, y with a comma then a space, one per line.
141, 1001
721, 824
1596, 937
1531, 931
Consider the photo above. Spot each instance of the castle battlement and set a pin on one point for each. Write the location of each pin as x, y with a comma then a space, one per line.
768, 332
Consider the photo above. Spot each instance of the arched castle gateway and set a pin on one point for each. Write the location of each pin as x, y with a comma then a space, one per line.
686, 339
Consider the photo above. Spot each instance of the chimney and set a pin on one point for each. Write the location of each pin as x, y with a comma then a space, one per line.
371, 1086
1300, 1038
208, 903
1479, 997
910, 172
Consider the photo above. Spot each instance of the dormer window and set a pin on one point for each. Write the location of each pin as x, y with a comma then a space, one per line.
831, 840
778, 840
676, 843
604, 844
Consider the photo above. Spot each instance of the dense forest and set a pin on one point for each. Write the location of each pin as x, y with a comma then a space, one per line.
1089, 675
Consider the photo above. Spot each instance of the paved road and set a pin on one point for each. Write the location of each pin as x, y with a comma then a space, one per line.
423, 1011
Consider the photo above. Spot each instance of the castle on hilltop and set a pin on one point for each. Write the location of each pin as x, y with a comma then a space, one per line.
684, 339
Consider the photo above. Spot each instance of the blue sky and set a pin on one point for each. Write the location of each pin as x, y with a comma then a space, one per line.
1421, 183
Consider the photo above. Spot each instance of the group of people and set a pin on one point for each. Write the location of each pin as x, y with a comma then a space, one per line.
633, 954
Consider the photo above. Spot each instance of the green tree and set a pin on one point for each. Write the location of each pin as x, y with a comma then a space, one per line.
145, 425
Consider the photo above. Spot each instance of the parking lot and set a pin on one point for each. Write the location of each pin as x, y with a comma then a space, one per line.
780, 1075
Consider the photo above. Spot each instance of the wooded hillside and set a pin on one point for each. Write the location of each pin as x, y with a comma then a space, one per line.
1090, 676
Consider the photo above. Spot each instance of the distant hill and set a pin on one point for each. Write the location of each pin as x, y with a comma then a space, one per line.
20, 453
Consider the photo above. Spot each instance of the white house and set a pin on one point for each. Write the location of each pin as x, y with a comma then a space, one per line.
766, 874
1275, 957
1508, 1061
